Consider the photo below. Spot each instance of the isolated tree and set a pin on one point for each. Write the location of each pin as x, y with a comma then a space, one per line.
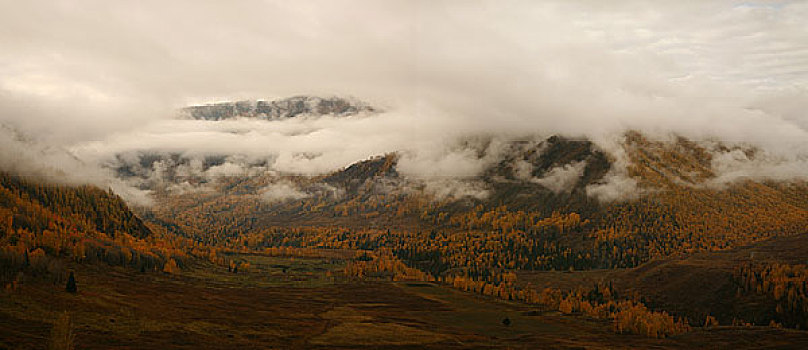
710, 322
71, 284
171, 267
506, 321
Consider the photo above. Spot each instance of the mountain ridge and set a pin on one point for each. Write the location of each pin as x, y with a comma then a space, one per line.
290, 107
667, 216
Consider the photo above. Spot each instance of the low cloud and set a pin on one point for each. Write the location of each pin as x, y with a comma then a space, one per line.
32, 160
616, 185
562, 178
281, 191
453, 189
105, 83
738, 164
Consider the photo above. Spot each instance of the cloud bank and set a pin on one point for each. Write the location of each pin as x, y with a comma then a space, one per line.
107, 78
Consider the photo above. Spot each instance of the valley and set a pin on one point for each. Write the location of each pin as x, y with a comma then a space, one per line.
312, 305
403, 174
387, 263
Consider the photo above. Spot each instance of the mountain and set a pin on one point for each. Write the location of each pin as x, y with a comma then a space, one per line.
278, 109
650, 220
555, 203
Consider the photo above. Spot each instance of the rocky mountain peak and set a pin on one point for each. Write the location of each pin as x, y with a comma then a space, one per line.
279, 109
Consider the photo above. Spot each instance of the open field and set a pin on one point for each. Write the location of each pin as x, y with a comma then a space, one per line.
208, 307
270, 271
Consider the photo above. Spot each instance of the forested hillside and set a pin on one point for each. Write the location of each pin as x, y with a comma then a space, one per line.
540, 212
43, 226
523, 223
673, 209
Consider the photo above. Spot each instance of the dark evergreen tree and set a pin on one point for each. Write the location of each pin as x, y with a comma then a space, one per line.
71, 284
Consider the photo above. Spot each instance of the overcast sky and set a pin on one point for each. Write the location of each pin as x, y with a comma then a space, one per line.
106, 75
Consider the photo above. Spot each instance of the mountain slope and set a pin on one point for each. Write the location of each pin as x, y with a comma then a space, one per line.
538, 211
42, 226
701, 285
36, 207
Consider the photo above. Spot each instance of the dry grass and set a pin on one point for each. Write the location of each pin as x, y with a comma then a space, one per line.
126, 309
378, 334
62, 337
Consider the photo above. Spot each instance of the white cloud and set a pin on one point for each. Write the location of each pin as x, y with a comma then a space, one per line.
281, 191
614, 187
523, 170
453, 189
32, 160
562, 178
734, 165
104, 78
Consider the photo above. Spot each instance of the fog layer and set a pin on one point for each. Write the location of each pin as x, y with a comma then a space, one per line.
101, 78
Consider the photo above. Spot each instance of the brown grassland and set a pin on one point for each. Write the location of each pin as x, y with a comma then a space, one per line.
289, 302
